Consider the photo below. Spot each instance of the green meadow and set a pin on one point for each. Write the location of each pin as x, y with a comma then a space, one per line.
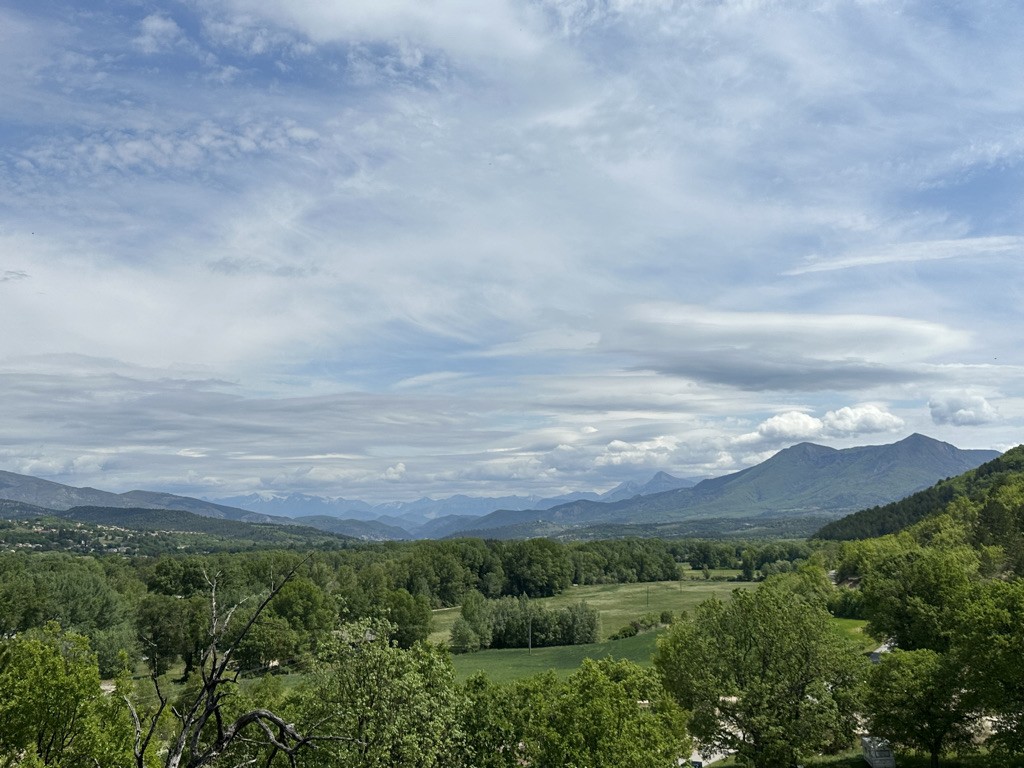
617, 604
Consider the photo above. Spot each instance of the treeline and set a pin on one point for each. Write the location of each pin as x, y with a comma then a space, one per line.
137, 532
767, 675
366, 704
153, 606
519, 623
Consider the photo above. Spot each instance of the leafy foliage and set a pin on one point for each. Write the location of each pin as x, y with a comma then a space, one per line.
378, 705
765, 675
518, 623
51, 704
919, 701
605, 715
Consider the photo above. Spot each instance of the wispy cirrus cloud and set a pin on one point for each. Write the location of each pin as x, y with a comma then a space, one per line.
965, 248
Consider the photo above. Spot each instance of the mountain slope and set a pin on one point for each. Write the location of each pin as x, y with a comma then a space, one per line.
409, 514
995, 487
51, 495
802, 480
371, 530
181, 521
21, 510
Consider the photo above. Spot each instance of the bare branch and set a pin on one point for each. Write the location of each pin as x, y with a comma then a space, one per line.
187, 748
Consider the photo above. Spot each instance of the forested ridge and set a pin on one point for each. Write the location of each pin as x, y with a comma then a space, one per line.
987, 483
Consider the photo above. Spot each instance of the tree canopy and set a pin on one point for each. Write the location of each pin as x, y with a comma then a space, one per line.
764, 675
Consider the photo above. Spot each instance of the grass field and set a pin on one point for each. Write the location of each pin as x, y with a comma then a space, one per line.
617, 604
507, 664
854, 629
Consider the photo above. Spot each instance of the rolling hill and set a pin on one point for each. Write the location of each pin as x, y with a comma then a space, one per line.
55, 496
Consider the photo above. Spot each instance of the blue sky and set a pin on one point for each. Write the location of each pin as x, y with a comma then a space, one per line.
394, 249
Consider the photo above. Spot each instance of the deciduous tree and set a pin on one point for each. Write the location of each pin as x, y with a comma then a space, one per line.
765, 675
376, 705
918, 700
52, 709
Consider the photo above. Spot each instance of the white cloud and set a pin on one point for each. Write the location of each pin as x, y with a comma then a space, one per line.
781, 350
157, 33
648, 453
848, 421
860, 420
498, 29
784, 427
397, 472
962, 410
205, 145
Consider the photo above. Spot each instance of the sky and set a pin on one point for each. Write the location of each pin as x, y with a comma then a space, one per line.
406, 248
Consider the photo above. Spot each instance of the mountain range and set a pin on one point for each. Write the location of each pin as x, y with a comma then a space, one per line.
416, 513
803, 481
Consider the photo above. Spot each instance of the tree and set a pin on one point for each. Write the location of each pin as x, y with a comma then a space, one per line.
918, 701
476, 612
499, 720
207, 730
765, 675
610, 714
990, 647
607, 714
378, 705
51, 704
463, 638
410, 617
536, 568
160, 622
912, 596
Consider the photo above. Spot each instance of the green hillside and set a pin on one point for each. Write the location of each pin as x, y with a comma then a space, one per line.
989, 498
152, 531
